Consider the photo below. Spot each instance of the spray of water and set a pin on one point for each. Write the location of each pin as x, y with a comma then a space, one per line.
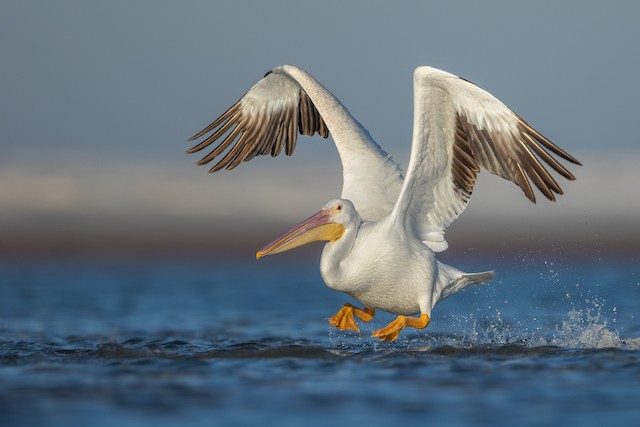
588, 328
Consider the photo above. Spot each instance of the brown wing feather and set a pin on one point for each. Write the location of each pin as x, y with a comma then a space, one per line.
265, 132
517, 157
464, 167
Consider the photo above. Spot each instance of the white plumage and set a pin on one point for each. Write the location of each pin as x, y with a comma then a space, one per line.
383, 231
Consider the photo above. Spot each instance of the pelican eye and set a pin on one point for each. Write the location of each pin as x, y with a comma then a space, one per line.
339, 207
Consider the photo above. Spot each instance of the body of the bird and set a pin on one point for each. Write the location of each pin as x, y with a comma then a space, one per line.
398, 277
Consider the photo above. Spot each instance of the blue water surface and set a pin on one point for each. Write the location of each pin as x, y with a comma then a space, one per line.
165, 341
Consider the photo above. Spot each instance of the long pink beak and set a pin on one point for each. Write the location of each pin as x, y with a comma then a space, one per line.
315, 228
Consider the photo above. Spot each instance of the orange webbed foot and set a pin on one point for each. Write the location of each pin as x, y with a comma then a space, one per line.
344, 320
392, 330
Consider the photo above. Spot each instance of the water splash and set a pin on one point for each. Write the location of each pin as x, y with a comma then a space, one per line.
587, 328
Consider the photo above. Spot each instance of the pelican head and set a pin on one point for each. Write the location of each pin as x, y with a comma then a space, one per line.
328, 224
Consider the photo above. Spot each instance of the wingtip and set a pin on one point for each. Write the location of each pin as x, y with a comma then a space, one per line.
571, 159
531, 197
217, 167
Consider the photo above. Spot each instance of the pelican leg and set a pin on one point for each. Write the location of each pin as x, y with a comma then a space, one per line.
343, 319
392, 330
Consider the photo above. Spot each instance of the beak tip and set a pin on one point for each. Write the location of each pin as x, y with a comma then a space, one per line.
258, 254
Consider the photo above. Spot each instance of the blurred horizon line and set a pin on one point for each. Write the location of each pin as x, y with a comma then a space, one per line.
68, 206
77, 236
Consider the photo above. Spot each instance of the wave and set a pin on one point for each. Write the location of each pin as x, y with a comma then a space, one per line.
582, 331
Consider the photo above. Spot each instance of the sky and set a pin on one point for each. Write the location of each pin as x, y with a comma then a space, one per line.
99, 98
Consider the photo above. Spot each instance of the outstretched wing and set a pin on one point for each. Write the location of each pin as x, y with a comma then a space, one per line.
289, 101
460, 128
265, 120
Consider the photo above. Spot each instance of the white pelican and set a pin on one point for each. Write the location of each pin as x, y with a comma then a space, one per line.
384, 230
